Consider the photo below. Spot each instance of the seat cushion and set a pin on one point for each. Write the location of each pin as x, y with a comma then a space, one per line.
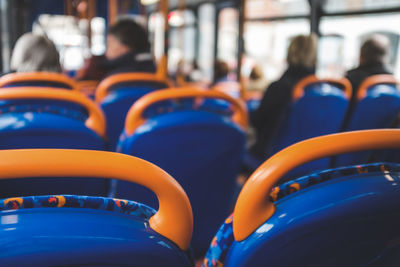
223, 239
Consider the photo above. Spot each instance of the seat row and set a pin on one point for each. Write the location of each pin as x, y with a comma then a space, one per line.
340, 217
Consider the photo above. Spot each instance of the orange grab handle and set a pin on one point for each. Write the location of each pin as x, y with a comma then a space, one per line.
174, 219
38, 77
253, 207
134, 117
96, 120
298, 90
374, 80
105, 85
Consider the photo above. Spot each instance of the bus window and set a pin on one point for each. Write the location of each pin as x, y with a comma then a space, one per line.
156, 34
346, 5
228, 37
266, 40
261, 9
69, 35
182, 35
266, 44
355, 29
330, 64
206, 39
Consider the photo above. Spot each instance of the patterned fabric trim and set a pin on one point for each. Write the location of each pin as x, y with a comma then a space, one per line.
58, 110
291, 187
70, 201
223, 239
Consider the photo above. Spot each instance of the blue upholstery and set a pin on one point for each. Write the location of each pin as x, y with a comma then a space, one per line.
319, 112
379, 109
82, 231
117, 103
202, 150
47, 124
341, 217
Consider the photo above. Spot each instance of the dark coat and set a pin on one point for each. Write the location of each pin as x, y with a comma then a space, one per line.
275, 101
356, 77
129, 62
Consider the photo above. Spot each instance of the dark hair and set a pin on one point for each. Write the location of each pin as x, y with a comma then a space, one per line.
221, 70
131, 34
374, 49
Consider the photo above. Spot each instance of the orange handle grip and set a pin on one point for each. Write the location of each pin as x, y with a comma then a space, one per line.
134, 117
374, 80
106, 84
253, 207
174, 219
96, 120
298, 90
38, 77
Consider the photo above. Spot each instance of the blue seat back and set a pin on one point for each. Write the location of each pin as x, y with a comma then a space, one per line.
47, 124
378, 109
117, 103
65, 230
341, 217
202, 150
320, 111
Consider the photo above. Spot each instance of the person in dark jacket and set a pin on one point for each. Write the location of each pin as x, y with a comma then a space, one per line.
301, 59
128, 49
373, 55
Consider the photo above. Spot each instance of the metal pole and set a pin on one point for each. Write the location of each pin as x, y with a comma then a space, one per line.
5, 35
216, 24
242, 14
315, 16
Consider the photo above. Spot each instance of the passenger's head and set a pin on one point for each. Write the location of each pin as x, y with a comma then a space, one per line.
302, 51
125, 36
221, 70
35, 53
374, 50
256, 73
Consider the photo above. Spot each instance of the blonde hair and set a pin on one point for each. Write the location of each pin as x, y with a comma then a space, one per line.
303, 51
35, 53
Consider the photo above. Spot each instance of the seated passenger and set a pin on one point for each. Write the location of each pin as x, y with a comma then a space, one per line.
221, 71
373, 56
128, 49
33, 53
257, 81
301, 59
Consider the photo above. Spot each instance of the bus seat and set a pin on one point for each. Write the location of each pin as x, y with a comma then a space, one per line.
318, 108
347, 216
200, 148
118, 92
38, 79
378, 107
71, 230
48, 118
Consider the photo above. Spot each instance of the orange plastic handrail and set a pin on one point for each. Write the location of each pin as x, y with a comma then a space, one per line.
253, 208
174, 218
134, 117
106, 84
298, 90
96, 120
374, 80
18, 77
